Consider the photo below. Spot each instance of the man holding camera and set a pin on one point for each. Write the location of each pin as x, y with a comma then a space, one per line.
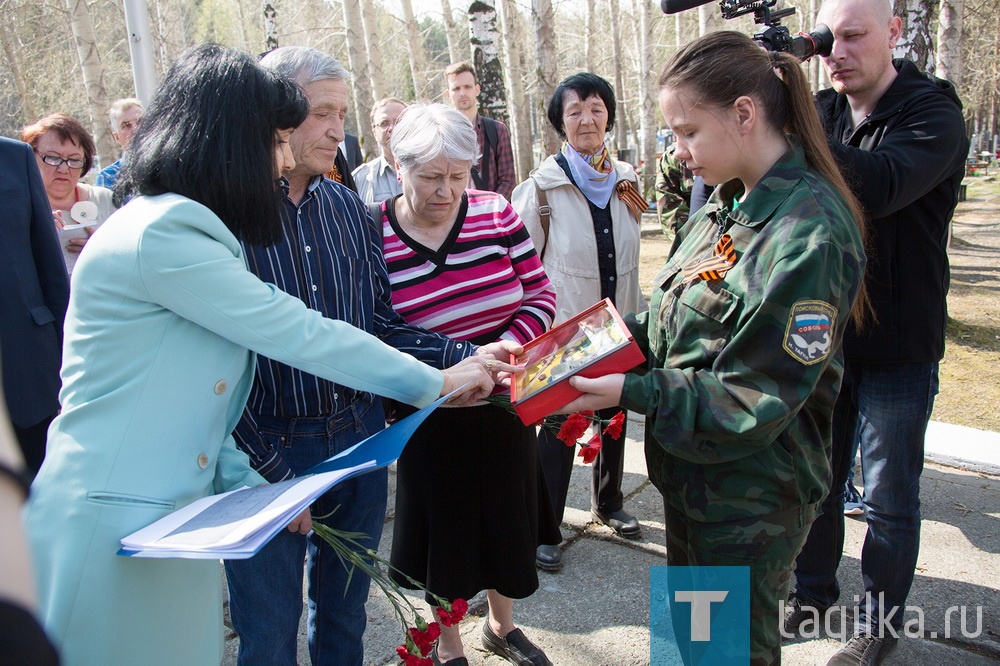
899, 137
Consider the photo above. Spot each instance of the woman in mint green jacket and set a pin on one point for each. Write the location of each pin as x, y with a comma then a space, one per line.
160, 339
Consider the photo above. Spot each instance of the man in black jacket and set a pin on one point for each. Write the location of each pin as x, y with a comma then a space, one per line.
34, 292
899, 137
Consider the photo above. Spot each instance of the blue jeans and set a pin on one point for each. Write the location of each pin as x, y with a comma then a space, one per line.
265, 591
887, 408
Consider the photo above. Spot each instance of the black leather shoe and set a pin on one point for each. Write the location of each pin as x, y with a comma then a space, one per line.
548, 558
622, 522
457, 661
798, 613
514, 647
864, 650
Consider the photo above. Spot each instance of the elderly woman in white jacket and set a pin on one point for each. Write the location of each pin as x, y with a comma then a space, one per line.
582, 208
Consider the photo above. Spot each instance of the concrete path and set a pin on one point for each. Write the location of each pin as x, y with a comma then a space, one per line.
596, 610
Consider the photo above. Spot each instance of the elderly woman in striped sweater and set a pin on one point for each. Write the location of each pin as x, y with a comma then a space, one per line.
470, 510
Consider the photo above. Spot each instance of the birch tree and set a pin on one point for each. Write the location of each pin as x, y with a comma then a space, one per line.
709, 19
369, 25
361, 90
646, 101
270, 25
93, 75
621, 123
414, 50
520, 116
486, 59
590, 30
949, 40
455, 42
543, 20
7, 41
916, 41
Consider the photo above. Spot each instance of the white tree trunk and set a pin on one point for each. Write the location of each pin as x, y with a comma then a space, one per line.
7, 40
513, 62
456, 45
93, 76
543, 20
646, 100
270, 24
709, 19
588, 37
485, 40
621, 126
369, 22
361, 88
414, 50
916, 42
949, 40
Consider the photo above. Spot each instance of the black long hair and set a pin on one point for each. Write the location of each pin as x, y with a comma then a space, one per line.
209, 135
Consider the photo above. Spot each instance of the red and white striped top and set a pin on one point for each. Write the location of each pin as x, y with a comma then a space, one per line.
484, 283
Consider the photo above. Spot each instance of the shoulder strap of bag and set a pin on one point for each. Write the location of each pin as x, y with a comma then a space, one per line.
481, 175
544, 217
375, 211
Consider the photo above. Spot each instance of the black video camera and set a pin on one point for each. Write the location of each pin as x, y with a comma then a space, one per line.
774, 36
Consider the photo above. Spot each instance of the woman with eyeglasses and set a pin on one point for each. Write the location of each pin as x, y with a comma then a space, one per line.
65, 152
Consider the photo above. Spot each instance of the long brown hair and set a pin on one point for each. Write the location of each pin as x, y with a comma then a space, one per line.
723, 66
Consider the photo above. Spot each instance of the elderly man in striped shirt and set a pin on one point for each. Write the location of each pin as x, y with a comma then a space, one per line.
330, 256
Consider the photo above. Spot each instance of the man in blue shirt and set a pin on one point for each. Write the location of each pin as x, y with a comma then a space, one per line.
330, 256
376, 179
125, 115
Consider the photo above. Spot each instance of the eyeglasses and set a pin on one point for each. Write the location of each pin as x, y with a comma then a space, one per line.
56, 161
385, 124
130, 124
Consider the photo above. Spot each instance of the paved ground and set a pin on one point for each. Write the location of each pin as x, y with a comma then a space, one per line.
596, 610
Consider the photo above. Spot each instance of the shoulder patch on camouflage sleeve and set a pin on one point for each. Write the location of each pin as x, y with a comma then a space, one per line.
807, 336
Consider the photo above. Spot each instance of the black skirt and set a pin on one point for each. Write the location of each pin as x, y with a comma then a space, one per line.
471, 507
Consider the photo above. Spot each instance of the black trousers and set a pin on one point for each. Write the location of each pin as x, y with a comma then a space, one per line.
606, 484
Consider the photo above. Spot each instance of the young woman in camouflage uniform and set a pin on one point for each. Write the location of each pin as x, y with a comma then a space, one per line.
745, 323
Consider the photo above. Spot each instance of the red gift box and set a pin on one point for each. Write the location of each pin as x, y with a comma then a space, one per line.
594, 343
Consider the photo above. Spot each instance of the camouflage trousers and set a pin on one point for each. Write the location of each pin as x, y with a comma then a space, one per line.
769, 549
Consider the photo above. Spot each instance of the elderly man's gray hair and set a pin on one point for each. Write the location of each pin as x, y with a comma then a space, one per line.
119, 107
304, 65
427, 131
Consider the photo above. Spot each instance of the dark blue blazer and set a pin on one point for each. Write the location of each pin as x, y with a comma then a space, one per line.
34, 289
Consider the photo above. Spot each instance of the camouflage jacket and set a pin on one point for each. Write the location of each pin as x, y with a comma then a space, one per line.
743, 370
673, 192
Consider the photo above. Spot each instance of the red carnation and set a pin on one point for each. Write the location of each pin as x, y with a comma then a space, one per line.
424, 639
589, 452
574, 427
614, 427
410, 659
451, 617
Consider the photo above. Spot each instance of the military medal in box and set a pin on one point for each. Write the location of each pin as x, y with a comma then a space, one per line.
594, 343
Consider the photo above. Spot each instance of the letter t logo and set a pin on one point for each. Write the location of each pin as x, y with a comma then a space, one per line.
701, 607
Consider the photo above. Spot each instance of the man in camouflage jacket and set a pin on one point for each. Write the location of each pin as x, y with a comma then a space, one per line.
744, 368
673, 192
